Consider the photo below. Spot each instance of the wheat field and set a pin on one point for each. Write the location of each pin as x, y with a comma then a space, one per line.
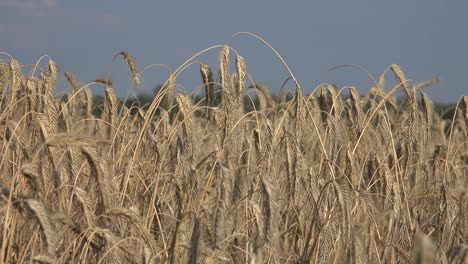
308, 178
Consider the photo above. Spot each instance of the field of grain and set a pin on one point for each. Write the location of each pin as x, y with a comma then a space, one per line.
307, 178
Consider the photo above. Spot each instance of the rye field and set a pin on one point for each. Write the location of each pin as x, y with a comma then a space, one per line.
235, 175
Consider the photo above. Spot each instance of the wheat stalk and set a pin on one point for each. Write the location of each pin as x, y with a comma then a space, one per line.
46, 225
207, 78
241, 75
465, 110
401, 77
132, 65
224, 72
427, 112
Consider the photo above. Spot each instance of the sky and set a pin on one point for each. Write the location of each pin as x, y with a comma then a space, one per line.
425, 38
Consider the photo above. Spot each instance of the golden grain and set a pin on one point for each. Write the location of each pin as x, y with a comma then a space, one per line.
309, 178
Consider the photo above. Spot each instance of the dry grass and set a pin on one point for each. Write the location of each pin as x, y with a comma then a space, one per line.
316, 179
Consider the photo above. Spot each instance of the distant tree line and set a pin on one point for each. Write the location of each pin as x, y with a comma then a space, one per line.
142, 101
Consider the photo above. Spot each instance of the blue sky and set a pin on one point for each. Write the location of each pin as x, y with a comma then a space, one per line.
426, 38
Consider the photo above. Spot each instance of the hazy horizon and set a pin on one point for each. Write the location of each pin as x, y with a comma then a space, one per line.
426, 40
